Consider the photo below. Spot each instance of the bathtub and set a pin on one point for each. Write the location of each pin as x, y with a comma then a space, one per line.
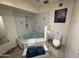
32, 38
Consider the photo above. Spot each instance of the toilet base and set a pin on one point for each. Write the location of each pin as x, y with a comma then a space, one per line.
56, 47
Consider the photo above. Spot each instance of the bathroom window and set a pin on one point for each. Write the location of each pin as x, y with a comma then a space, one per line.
60, 16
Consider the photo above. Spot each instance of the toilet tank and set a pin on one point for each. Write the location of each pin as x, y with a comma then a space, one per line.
57, 35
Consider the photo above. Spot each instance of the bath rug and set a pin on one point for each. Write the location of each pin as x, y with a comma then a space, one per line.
33, 51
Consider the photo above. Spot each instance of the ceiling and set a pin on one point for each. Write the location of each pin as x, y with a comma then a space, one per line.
41, 4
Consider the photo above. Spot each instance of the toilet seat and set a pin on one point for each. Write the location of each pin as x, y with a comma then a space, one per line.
56, 42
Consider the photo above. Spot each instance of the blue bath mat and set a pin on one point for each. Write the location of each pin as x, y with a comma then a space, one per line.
35, 51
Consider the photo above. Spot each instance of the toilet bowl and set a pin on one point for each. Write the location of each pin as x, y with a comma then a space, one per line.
56, 42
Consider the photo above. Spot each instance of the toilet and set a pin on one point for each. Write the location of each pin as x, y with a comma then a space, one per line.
56, 42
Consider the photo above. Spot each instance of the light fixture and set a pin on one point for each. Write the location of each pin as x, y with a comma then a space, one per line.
43, 1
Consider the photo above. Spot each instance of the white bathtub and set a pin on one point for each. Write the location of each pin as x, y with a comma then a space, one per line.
32, 38
22, 43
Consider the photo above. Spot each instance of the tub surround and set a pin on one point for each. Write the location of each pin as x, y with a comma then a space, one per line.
34, 41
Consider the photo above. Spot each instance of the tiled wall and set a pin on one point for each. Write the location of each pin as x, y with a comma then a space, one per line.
23, 23
41, 20
35, 23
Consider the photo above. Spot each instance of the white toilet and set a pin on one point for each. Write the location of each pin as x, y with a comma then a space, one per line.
56, 42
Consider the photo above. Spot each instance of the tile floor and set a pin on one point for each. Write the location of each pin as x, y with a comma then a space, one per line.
53, 53
15, 52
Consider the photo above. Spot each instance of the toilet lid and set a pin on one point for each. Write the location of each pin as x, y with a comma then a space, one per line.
56, 42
